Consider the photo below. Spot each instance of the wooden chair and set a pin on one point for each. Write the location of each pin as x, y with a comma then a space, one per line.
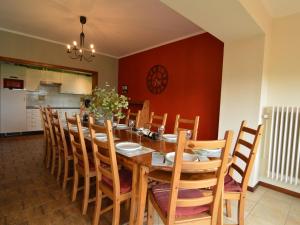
55, 152
234, 190
157, 121
47, 137
83, 164
191, 197
65, 154
134, 116
187, 122
118, 185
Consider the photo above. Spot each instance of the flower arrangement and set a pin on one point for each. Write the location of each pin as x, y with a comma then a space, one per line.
107, 103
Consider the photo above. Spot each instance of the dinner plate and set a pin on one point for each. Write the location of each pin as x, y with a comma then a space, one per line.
209, 152
186, 157
128, 146
121, 126
101, 136
170, 137
84, 129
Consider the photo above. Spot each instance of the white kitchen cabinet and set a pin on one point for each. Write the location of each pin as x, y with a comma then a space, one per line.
85, 85
68, 81
33, 120
13, 111
33, 79
51, 76
13, 71
76, 84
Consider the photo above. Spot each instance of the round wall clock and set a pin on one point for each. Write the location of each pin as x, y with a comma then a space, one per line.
157, 79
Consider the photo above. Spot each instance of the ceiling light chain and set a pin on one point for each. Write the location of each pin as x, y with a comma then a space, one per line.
79, 53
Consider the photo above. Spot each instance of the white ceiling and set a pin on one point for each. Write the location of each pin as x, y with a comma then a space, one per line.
280, 8
116, 27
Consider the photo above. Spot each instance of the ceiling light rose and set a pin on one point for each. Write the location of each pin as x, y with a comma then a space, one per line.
79, 52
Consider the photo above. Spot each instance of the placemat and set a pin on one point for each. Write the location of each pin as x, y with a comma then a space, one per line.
143, 151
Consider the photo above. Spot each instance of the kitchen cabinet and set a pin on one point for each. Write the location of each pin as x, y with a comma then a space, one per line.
76, 84
51, 76
13, 71
33, 79
33, 120
13, 111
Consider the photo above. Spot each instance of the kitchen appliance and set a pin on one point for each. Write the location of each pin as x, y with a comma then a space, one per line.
11, 83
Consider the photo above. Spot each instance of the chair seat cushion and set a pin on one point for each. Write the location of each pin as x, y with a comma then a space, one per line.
231, 185
125, 181
161, 194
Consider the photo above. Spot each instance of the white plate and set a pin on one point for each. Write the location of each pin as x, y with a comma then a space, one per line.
170, 136
128, 146
209, 152
186, 157
122, 126
101, 136
84, 129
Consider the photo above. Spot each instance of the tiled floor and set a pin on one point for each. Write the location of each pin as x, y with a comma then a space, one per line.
30, 195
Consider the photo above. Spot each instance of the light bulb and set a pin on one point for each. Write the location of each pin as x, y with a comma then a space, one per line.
93, 50
74, 43
80, 50
92, 46
69, 47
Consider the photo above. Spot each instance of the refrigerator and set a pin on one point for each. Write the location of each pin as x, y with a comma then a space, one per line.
12, 110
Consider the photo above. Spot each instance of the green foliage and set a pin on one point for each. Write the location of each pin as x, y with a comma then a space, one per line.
107, 103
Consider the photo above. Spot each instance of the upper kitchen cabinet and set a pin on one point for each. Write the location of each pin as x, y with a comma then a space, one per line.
33, 79
76, 84
13, 71
51, 76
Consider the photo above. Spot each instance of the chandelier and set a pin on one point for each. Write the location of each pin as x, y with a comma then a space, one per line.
80, 53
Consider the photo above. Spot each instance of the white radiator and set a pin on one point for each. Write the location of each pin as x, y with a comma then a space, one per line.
281, 145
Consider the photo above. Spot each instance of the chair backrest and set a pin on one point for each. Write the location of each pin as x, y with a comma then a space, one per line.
77, 142
48, 127
105, 154
246, 154
188, 122
43, 120
213, 183
157, 120
134, 116
59, 134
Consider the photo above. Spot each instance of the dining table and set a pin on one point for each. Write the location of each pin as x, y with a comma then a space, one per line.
146, 170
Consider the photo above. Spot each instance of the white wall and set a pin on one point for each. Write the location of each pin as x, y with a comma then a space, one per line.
22, 47
284, 65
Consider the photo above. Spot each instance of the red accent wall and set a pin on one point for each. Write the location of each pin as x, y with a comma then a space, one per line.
194, 88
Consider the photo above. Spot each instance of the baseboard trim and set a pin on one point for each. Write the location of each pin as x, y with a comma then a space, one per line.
279, 189
14, 134
252, 189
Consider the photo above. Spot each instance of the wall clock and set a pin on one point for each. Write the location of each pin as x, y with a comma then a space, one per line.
157, 79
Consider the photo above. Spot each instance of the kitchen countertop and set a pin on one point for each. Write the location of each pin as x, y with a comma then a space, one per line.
58, 107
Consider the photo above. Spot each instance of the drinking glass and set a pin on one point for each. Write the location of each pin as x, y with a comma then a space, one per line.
131, 124
114, 126
140, 133
188, 134
161, 131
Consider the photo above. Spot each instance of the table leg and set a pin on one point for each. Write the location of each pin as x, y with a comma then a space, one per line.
142, 197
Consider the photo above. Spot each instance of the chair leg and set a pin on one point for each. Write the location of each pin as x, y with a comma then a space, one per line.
66, 173
48, 154
75, 185
228, 208
116, 213
97, 209
59, 167
150, 212
53, 160
86, 194
241, 210
127, 204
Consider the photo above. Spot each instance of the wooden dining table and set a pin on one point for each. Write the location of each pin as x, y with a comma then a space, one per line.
146, 170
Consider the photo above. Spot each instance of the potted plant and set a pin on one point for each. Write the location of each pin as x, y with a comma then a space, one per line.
107, 104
